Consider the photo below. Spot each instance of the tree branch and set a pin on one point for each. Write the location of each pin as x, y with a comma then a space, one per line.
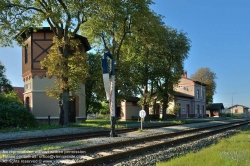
78, 24
27, 8
122, 38
67, 25
103, 39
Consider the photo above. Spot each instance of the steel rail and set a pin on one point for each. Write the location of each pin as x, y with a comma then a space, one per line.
115, 144
137, 151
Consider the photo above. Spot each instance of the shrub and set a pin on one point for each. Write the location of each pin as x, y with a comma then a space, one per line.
103, 116
176, 109
13, 113
226, 115
155, 116
171, 116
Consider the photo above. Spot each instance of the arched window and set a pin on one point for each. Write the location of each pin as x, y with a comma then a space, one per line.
27, 103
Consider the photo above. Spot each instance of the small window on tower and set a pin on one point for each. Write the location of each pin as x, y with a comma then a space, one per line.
26, 54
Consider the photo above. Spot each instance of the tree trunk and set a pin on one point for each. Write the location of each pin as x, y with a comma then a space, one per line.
145, 107
164, 112
65, 98
61, 113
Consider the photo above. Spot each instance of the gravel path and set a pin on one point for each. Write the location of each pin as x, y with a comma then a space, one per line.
71, 130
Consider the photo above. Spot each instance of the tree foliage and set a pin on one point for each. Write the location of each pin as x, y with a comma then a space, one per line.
206, 76
13, 113
176, 109
172, 52
5, 84
141, 49
149, 56
65, 18
94, 84
109, 27
74, 67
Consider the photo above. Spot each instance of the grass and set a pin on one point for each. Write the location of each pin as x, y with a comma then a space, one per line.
233, 151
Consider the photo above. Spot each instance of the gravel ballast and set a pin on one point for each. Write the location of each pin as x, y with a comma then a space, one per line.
167, 153
148, 158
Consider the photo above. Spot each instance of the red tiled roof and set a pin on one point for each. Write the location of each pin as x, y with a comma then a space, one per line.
20, 91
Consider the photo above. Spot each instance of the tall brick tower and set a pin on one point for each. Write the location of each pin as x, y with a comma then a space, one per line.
37, 46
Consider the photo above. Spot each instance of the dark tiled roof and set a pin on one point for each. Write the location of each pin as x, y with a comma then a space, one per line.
179, 94
133, 99
215, 106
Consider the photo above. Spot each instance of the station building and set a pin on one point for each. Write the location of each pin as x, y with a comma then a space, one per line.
190, 96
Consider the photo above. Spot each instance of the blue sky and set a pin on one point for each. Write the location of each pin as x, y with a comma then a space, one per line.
219, 31
220, 37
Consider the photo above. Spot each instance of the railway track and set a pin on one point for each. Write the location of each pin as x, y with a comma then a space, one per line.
109, 152
69, 137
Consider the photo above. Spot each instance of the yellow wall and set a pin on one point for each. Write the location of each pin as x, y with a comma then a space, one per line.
44, 106
132, 111
41, 105
239, 108
128, 110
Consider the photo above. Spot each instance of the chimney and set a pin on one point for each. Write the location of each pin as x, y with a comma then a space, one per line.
184, 74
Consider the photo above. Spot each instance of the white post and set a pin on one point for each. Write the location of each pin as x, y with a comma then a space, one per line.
141, 123
110, 89
112, 106
112, 96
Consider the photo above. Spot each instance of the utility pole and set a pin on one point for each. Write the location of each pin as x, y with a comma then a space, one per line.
202, 98
109, 85
232, 102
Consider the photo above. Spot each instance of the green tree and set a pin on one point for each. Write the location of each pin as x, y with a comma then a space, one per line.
176, 110
94, 84
105, 108
207, 77
109, 27
13, 113
172, 53
141, 48
147, 54
65, 17
5, 84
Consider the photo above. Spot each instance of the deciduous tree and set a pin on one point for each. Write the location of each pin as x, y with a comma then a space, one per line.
142, 48
109, 27
206, 76
65, 17
94, 84
5, 84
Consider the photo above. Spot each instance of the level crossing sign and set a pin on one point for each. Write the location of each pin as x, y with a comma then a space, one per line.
142, 114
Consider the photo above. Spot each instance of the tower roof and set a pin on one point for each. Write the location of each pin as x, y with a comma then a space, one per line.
25, 34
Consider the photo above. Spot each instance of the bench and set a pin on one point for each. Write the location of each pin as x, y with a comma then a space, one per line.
135, 117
